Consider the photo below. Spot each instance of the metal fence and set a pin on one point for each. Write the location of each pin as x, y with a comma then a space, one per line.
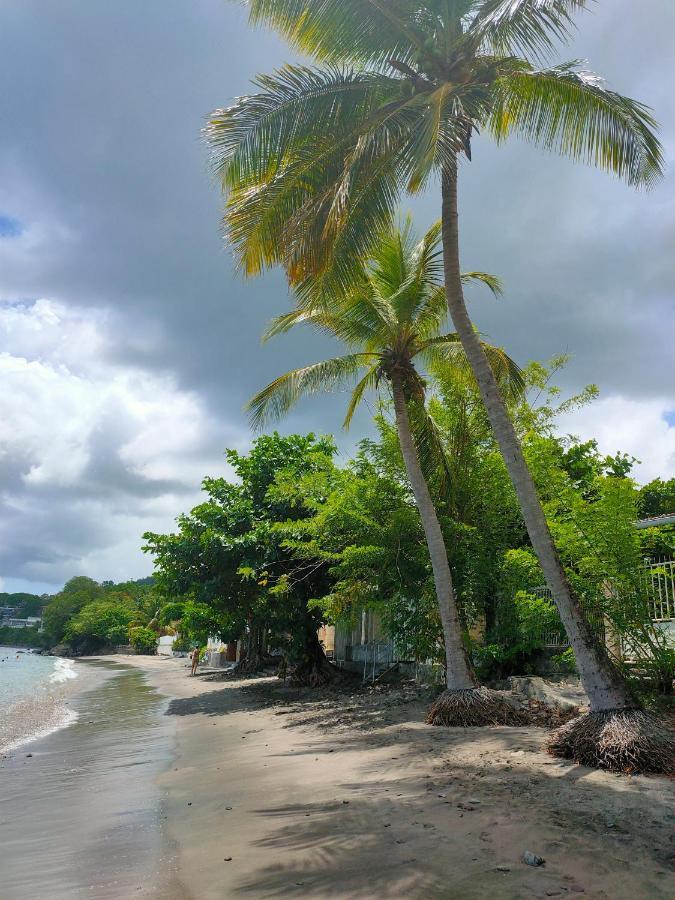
374, 656
661, 584
660, 588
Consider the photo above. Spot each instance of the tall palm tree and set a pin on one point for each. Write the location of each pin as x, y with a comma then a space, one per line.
314, 162
390, 318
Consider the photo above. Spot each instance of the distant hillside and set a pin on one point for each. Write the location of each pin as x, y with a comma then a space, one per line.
24, 604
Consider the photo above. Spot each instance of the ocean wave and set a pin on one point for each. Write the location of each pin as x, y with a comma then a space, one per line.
64, 670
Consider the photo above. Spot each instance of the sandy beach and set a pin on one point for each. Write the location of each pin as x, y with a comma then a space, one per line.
244, 788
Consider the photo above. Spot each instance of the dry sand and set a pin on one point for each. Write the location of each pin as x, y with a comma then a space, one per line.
277, 793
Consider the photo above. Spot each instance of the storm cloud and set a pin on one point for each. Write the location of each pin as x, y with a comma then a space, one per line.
128, 343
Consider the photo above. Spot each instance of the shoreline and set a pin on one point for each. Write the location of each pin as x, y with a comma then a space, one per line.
81, 808
43, 709
233, 788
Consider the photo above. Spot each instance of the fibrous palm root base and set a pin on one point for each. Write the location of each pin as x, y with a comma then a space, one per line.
474, 707
626, 740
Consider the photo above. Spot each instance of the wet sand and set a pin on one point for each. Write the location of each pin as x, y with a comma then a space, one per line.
273, 793
81, 816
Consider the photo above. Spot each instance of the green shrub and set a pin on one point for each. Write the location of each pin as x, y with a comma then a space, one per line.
564, 662
182, 644
143, 640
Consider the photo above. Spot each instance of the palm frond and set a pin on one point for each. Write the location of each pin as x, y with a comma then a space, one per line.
433, 314
359, 30
446, 352
368, 382
282, 324
572, 112
525, 27
492, 282
430, 447
258, 133
275, 400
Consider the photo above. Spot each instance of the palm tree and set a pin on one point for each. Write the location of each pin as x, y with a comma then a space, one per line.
392, 316
314, 162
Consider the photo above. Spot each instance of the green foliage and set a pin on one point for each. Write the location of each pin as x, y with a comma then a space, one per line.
592, 518
100, 624
171, 613
314, 160
656, 498
657, 544
367, 531
143, 640
70, 615
564, 662
226, 571
21, 637
182, 644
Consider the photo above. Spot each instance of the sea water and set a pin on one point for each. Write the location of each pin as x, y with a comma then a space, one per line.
33, 695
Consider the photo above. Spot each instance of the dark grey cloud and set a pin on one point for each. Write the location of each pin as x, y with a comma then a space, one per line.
105, 177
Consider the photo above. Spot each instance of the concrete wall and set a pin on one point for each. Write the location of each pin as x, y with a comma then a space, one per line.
165, 644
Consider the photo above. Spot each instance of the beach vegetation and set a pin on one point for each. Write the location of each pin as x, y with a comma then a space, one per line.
100, 624
392, 321
314, 162
229, 567
87, 616
143, 640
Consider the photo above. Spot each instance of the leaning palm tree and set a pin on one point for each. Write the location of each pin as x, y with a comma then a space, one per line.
390, 319
313, 164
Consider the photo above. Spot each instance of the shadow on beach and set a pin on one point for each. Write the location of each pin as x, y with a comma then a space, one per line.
362, 799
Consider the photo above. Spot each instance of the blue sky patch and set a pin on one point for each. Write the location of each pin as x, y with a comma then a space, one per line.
10, 227
669, 416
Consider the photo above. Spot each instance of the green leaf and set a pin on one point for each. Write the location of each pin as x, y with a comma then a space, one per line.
275, 400
573, 113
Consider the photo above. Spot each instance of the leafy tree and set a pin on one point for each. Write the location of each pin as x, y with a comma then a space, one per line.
229, 568
391, 316
21, 637
76, 594
314, 163
143, 640
364, 526
82, 584
656, 498
67, 608
100, 624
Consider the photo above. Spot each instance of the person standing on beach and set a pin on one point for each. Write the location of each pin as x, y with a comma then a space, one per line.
195, 661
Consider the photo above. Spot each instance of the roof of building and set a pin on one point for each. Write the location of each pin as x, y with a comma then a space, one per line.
655, 521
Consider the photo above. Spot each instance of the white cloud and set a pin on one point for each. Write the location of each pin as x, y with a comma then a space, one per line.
638, 427
92, 452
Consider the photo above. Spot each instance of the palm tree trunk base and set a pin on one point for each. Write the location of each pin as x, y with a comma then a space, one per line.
625, 740
475, 707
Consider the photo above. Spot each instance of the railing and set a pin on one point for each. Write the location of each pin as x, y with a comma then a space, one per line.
375, 656
551, 638
661, 581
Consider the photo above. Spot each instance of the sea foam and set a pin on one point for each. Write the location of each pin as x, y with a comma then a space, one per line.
64, 670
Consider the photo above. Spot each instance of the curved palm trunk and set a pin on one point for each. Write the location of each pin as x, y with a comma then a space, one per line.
459, 674
603, 684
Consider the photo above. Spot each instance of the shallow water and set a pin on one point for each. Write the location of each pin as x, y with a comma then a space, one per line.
82, 816
34, 694
22, 673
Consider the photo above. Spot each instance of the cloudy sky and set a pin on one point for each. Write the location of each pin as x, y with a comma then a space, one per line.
128, 345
